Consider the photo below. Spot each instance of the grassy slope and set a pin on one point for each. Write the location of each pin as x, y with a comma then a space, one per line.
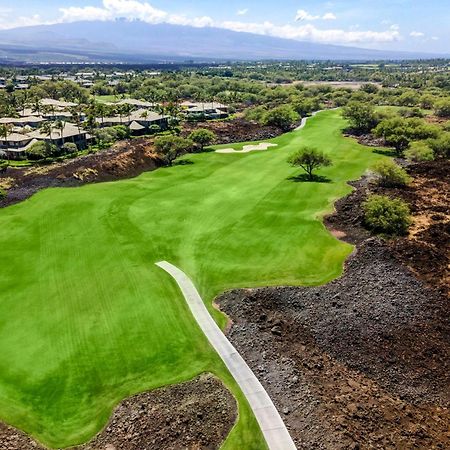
110, 98
86, 319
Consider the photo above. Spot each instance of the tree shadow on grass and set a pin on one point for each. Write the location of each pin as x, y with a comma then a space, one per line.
183, 162
304, 178
385, 152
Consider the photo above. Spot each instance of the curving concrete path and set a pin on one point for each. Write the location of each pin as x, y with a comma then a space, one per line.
305, 119
272, 426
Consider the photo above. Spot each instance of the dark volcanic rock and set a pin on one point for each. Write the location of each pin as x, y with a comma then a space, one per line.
195, 415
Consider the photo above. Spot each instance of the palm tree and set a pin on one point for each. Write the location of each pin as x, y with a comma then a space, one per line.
76, 117
4, 132
47, 129
100, 111
60, 125
36, 105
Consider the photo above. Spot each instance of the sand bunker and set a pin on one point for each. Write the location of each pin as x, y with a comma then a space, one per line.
247, 148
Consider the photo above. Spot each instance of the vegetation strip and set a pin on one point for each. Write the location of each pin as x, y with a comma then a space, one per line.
272, 426
77, 261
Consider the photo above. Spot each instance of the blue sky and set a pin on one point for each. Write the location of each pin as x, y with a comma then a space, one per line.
384, 24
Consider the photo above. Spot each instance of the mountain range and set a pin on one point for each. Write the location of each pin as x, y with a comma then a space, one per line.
140, 42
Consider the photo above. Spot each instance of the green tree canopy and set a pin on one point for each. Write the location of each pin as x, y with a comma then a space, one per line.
171, 147
283, 117
202, 137
361, 116
309, 159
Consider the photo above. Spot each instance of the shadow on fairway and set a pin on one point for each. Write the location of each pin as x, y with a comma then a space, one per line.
303, 178
183, 162
387, 152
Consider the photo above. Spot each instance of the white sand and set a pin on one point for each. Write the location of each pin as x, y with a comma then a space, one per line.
247, 148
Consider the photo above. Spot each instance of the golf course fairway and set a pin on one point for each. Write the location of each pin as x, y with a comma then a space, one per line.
87, 319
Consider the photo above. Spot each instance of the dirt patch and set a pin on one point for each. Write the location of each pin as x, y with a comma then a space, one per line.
195, 415
359, 363
235, 130
124, 160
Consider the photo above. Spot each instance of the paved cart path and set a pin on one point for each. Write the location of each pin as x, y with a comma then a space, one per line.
272, 426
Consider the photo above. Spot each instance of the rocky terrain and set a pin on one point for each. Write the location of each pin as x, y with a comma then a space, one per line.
125, 159
426, 250
359, 363
235, 130
362, 363
193, 415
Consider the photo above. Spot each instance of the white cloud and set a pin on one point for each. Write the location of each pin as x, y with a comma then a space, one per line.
75, 14
416, 34
242, 12
434, 38
142, 10
329, 16
311, 33
22, 21
128, 9
305, 15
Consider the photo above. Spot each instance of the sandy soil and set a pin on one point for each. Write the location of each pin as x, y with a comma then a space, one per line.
248, 148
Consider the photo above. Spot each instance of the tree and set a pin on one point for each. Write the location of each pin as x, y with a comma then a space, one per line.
202, 137
69, 148
5, 129
60, 125
40, 150
391, 174
441, 145
443, 108
409, 98
283, 117
369, 88
171, 147
399, 132
385, 215
309, 159
46, 129
362, 116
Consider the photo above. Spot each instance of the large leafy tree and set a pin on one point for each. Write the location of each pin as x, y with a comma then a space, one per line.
361, 116
202, 137
283, 117
309, 159
169, 148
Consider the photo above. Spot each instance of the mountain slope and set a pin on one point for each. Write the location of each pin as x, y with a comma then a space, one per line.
139, 41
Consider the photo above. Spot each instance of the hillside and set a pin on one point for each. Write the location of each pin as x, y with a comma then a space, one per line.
140, 42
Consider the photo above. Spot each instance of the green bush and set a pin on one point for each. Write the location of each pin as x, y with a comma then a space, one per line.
283, 117
419, 151
41, 150
386, 215
202, 137
362, 117
69, 147
441, 146
2, 194
391, 174
443, 108
255, 114
170, 148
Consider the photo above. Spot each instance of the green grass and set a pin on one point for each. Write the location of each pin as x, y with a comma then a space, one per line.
110, 98
86, 318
